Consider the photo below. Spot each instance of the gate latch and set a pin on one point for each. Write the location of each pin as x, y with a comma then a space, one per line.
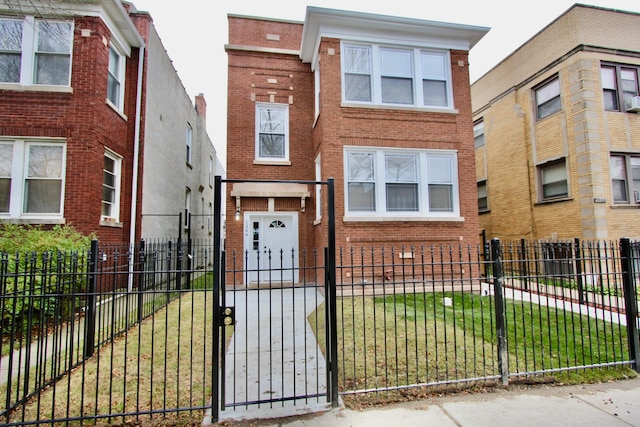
228, 316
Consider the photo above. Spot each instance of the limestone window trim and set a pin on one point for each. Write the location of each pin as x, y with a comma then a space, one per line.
270, 190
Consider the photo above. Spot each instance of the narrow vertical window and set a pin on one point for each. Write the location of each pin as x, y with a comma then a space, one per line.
478, 134
272, 132
189, 143
116, 78
52, 62
187, 207
440, 178
111, 186
434, 79
210, 171
483, 204
361, 182
357, 75
6, 162
318, 189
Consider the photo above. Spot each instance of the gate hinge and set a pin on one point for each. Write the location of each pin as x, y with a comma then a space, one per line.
228, 316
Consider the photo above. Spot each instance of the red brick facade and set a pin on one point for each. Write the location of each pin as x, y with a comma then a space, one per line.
265, 66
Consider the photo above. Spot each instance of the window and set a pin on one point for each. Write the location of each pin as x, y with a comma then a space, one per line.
483, 205
189, 142
316, 79
619, 83
35, 51
396, 182
210, 171
115, 83
272, 132
553, 178
478, 134
625, 170
548, 98
187, 207
387, 75
31, 178
318, 189
111, 187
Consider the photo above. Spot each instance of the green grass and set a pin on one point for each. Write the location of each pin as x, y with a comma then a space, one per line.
404, 339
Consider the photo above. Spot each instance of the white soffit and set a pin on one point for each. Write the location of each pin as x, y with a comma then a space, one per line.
355, 26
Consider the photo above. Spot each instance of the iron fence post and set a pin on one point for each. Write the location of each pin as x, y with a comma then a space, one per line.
90, 319
331, 266
578, 259
140, 276
217, 271
496, 261
630, 302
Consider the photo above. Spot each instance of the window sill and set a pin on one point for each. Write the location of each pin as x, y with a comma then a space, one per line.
44, 221
35, 88
625, 206
272, 162
400, 107
488, 211
116, 109
403, 219
110, 222
552, 201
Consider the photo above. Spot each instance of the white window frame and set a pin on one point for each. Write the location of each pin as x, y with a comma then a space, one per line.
187, 208
318, 167
425, 180
189, 144
19, 172
418, 74
284, 108
117, 75
114, 214
29, 52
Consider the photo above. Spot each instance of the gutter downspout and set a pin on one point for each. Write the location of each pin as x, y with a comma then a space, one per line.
136, 156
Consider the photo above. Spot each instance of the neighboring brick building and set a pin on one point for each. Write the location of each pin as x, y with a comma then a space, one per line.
381, 104
558, 131
80, 125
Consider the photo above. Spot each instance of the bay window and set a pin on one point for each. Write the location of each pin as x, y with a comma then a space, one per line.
400, 183
392, 75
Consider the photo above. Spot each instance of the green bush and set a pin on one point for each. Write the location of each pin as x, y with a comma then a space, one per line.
41, 275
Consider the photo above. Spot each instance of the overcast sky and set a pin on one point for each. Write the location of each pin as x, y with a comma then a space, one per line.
194, 33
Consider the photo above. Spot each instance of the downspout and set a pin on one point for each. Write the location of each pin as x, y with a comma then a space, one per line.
136, 156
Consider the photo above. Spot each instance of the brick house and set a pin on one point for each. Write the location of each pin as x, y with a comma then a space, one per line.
82, 122
557, 131
381, 104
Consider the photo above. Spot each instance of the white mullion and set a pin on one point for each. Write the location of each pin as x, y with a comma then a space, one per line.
376, 75
28, 51
380, 176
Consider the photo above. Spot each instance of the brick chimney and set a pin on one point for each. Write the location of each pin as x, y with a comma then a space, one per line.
201, 106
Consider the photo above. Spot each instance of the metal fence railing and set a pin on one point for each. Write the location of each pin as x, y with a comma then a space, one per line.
126, 333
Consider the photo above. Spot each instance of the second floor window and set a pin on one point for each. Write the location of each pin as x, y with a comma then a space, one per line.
547, 98
619, 83
272, 132
115, 85
478, 134
189, 143
387, 75
35, 51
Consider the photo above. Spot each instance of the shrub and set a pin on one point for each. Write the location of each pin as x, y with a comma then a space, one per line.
41, 275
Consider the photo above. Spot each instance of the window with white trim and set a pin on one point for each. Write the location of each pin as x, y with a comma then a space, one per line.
547, 98
553, 180
31, 178
115, 81
625, 178
391, 75
399, 182
111, 187
35, 51
272, 132
187, 207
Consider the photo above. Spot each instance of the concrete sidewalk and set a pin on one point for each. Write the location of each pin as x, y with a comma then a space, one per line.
609, 404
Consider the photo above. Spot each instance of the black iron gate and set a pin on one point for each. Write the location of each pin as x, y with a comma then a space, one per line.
275, 340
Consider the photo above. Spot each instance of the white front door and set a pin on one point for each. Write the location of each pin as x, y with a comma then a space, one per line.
271, 243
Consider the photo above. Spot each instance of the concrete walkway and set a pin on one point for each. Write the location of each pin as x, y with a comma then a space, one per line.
598, 405
273, 355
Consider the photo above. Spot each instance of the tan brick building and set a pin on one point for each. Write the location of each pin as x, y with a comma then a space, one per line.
381, 104
557, 131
